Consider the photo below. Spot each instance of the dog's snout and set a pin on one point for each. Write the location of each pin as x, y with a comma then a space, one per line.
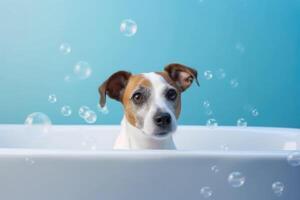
162, 119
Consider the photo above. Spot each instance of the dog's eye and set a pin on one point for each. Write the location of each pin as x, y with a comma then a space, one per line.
137, 98
171, 94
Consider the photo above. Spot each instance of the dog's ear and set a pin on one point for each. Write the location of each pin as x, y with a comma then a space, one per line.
114, 86
182, 75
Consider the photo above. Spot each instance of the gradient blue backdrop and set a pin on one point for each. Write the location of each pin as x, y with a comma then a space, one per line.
202, 34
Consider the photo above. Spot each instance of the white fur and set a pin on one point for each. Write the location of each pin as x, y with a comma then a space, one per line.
134, 138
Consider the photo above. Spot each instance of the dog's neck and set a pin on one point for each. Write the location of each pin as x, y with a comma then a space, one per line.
133, 138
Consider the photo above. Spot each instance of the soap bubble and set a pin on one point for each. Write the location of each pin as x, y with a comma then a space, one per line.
215, 169
234, 83
90, 117
294, 159
39, 120
208, 75
103, 110
66, 111
236, 179
278, 188
82, 70
82, 111
254, 112
241, 122
89, 143
240, 47
224, 147
208, 111
29, 161
67, 78
128, 27
206, 104
220, 73
65, 48
206, 192
211, 123
52, 98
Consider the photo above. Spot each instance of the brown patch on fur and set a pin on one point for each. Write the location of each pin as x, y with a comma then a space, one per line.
177, 104
133, 82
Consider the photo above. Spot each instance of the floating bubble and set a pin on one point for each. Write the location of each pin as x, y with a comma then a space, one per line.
254, 112
103, 110
236, 179
234, 83
224, 147
220, 73
67, 78
29, 161
293, 159
240, 47
89, 143
66, 111
52, 98
215, 169
65, 48
211, 123
82, 70
206, 104
82, 111
206, 192
208, 74
208, 111
37, 118
278, 188
241, 122
90, 117
128, 27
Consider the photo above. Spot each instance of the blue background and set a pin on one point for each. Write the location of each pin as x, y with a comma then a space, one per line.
202, 34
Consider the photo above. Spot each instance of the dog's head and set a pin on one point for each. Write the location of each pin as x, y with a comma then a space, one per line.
151, 101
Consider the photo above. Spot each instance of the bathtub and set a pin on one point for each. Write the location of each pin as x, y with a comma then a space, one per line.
77, 163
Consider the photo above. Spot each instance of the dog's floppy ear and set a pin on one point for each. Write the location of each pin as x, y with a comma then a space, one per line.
114, 86
182, 75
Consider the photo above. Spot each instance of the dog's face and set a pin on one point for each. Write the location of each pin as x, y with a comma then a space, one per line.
151, 101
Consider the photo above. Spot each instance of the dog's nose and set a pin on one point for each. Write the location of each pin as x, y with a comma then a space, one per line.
162, 119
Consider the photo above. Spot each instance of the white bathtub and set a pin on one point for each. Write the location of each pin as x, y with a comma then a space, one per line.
77, 163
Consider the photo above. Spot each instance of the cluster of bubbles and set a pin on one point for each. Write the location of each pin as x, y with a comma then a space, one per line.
278, 188
128, 27
66, 111
87, 114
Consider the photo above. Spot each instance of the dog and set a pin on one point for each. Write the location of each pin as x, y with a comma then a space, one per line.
152, 104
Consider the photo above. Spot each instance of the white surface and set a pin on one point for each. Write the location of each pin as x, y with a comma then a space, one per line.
58, 165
